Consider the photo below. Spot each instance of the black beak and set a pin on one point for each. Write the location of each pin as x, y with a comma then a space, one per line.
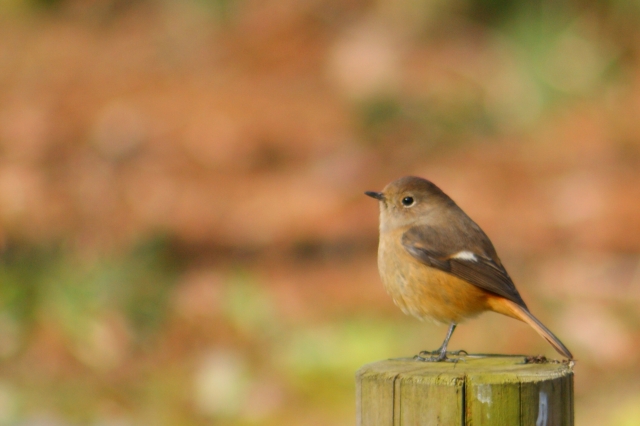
376, 195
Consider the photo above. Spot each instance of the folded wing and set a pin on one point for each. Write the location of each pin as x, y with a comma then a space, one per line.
472, 264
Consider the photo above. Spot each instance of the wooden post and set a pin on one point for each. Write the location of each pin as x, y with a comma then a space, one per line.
477, 390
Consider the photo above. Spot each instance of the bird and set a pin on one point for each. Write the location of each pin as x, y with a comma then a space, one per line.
437, 264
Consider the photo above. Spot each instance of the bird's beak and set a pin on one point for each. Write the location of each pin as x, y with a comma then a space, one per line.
376, 195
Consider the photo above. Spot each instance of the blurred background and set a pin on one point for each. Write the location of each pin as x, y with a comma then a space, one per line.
184, 237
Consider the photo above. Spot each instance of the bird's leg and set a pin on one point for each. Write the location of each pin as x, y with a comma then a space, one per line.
441, 352
443, 349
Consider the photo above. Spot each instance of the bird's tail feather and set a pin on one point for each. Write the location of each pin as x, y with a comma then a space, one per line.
509, 308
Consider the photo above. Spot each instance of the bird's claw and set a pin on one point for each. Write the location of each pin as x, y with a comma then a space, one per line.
427, 356
434, 359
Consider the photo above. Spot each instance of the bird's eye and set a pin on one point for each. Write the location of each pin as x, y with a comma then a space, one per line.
408, 201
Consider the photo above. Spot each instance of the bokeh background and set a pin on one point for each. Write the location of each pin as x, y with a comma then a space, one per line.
183, 232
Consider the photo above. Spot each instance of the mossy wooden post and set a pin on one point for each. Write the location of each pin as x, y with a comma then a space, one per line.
478, 390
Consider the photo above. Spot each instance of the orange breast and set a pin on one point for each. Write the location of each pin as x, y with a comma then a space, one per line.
425, 292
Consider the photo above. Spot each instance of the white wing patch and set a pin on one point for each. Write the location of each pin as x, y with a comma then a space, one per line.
465, 255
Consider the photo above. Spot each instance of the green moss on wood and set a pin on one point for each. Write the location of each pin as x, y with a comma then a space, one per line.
478, 390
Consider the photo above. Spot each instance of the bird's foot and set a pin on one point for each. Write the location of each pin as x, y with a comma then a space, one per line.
438, 352
439, 356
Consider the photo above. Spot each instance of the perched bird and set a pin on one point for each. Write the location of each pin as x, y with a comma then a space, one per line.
437, 264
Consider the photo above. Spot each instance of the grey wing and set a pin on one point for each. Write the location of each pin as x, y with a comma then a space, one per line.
441, 251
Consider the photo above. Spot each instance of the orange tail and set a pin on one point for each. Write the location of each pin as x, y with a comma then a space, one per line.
511, 309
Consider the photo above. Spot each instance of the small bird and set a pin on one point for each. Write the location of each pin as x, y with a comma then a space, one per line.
437, 264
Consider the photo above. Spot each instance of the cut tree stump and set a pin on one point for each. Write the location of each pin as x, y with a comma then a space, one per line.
476, 390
